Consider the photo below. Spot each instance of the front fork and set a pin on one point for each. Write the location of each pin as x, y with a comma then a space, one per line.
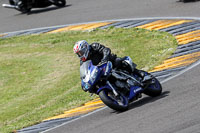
113, 89
110, 87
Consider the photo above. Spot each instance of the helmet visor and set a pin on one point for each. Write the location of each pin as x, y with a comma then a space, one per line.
81, 52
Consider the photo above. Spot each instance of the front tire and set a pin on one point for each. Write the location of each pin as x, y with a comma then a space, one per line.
119, 103
154, 89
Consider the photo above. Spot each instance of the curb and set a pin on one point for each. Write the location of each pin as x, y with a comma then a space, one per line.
185, 30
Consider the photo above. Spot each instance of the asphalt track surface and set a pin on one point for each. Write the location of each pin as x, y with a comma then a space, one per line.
79, 11
177, 110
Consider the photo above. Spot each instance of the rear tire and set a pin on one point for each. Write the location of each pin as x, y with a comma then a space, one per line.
154, 89
108, 98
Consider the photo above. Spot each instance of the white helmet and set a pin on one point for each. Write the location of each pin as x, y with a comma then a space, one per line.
81, 48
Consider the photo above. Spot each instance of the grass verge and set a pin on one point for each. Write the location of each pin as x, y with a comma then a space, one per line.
39, 74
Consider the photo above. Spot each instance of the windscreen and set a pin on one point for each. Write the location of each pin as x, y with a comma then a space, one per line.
84, 68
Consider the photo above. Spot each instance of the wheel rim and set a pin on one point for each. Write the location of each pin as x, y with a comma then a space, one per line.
155, 86
120, 100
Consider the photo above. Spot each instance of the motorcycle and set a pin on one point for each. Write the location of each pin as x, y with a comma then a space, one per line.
116, 87
25, 6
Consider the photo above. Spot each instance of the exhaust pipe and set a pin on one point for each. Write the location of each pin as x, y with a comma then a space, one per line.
9, 6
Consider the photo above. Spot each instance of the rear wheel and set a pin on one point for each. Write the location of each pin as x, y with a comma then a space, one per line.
154, 89
119, 103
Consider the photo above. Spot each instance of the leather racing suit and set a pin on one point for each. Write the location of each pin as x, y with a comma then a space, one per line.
98, 53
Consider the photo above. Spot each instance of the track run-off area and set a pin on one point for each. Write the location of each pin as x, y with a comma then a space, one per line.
170, 112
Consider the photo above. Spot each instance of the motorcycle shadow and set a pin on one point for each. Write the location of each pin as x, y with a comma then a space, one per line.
145, 100
47, 9
191, 1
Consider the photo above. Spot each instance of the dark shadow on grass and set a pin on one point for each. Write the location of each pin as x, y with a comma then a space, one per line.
144, 101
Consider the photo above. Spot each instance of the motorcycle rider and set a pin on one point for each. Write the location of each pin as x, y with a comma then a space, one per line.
100, 54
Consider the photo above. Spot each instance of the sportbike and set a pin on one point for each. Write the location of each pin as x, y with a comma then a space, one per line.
26, 6
117, 87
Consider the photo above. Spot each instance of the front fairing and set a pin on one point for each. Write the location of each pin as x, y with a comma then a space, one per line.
90, 74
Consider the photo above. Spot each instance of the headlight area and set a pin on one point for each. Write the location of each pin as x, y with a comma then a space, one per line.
86, 86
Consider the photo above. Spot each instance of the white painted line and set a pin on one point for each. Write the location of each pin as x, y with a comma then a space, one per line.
183, 71
75, 119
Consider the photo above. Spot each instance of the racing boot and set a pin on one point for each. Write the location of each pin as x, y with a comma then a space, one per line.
142, 75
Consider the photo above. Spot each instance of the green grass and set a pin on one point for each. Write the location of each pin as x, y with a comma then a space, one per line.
39, 74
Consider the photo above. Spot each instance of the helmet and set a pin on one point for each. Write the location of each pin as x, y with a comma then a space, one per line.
81, 48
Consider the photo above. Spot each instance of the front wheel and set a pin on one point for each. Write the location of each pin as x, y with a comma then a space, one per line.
119, 103
154, 89
60, 3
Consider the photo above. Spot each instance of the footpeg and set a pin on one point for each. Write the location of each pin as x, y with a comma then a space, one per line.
146, 78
